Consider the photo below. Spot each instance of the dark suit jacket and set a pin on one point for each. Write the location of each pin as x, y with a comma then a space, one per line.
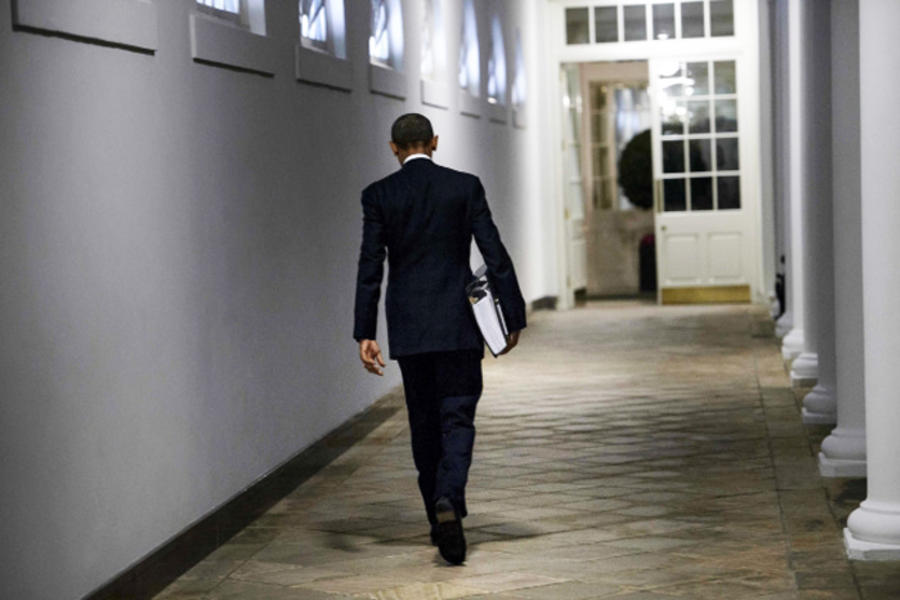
424, 217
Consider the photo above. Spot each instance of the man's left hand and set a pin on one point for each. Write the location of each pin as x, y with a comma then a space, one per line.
511, 342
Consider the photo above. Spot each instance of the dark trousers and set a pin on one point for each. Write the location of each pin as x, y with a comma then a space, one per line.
442, 389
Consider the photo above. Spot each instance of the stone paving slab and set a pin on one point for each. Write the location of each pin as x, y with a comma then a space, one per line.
623, 451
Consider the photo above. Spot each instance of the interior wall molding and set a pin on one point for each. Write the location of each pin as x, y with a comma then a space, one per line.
126, 24
217, 42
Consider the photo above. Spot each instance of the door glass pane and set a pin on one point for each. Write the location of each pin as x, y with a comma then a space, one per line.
726, 115
601, 161
673, 156
701, 157
635, 22
672, 114
698, 116
698, 72
691, 19
577, 26
598, 97
727, 154
663, 21
608, 195
729, 193
599, 127
672, 87
725, 78
674, 195
606, 23
721, 17
576, 200
701, 193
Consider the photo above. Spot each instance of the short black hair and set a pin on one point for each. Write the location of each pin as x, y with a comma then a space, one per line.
411, 129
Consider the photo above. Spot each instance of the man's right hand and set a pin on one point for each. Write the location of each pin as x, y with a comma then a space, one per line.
511, 340
370, 355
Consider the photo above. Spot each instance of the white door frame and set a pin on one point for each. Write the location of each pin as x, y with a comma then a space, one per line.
745, 43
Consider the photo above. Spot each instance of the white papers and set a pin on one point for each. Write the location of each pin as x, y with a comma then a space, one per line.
488, 313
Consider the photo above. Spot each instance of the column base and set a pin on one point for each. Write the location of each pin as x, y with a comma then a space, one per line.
814, 418
843, 453
792, 344
858, 549
820, 407
784, 324
805, 370
873, 531
835, 467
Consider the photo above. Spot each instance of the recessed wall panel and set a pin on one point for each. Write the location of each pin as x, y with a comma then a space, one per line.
130, 23
681, 253
725, 256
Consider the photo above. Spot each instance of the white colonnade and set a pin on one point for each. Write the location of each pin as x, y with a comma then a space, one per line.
793, 342
804, 205
816, 364
780, 104
844, 450
873, 529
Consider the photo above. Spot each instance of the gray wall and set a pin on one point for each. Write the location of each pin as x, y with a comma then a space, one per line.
178, 247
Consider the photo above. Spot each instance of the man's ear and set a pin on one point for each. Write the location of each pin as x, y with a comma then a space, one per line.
394, 148
434, 143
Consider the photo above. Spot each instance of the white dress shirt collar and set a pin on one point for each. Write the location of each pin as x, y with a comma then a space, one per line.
414, 156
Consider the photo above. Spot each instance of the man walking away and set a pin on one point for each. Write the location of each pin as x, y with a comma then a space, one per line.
423, 218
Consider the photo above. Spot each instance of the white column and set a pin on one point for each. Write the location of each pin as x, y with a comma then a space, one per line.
805, 206
844, 450
769, 219
780, 62
873, 529
793, 342
819, 405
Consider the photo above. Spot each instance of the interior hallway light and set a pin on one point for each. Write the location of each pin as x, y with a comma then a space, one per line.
668, 68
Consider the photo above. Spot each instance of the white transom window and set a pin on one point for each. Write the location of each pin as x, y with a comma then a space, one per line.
229, 6
496, 84
519, 90
314, 22
434, 42
380, 39
322, 26
469, 55
248, 14
386, 34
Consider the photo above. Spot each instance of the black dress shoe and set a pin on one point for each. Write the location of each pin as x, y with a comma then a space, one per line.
450, 537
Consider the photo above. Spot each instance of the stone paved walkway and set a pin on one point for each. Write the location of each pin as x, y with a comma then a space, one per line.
623, 451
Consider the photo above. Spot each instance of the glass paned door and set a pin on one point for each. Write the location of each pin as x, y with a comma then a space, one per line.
573, 109
698, 115
701, 223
